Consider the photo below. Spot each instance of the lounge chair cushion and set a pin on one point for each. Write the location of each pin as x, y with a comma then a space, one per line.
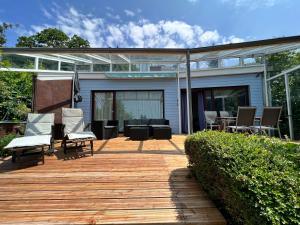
39, 124
29, 141
73, 120
81, 135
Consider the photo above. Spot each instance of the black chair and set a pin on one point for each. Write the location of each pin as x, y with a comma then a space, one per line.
111, 129
105, 129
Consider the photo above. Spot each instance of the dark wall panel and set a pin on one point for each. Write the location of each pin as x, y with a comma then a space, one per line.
52, 95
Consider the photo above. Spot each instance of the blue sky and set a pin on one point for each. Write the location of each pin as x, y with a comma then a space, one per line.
155, 23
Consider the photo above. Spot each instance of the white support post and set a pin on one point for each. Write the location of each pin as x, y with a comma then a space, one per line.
266, 90
73, 84
59, 65
110, 64
179, 101
36, 63
289, 106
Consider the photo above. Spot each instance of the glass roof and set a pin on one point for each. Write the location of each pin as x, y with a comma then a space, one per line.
111, 60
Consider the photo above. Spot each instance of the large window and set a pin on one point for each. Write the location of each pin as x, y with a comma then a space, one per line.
124, 105
226, 99
213, 99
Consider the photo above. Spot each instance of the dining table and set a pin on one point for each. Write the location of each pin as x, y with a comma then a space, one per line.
226, 120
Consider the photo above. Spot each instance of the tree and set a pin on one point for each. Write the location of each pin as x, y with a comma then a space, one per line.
52, 38
78, 42
3, 28
16, 94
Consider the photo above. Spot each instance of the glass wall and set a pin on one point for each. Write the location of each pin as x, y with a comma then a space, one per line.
214, 99
226, 99
276, 64
294, 82
103, 105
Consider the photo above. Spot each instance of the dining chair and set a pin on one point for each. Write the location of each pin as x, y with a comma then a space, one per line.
211, 119
245, 119
269, 121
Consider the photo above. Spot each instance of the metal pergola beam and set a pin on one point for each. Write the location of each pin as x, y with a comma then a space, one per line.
289, 106
100, 58
284, 72
75, 58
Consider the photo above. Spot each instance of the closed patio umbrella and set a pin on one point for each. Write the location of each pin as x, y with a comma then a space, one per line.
77, 97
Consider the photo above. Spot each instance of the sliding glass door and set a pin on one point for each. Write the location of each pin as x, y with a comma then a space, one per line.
103, 106
124, 105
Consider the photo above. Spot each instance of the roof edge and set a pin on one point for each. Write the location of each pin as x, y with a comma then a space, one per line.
273, 41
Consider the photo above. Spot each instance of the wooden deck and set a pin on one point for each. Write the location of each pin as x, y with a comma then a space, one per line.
125, 182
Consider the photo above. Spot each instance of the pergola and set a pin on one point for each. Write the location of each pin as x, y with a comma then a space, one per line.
145, 63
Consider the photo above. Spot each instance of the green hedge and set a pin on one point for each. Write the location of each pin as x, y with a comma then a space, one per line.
3, 142
253, 180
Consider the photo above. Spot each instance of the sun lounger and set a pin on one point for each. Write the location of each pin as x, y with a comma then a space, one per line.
74, 130
37, 136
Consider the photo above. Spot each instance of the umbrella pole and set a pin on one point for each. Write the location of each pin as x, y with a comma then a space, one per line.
73, 84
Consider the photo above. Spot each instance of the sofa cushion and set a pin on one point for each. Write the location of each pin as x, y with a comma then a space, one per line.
157, 122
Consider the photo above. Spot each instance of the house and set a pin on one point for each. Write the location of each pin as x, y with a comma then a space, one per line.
176, 84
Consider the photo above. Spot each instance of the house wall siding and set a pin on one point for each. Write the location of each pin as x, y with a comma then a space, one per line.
168, 85
254, 81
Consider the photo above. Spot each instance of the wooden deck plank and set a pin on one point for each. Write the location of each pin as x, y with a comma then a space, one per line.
104, 204
150, 216
125, 183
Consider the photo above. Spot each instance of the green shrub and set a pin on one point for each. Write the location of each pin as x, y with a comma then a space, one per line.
3, 142
253, 180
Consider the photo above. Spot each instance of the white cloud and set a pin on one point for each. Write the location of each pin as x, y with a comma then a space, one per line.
139, 33
129, 12
253, 4
192, 1
46, 13
115, 17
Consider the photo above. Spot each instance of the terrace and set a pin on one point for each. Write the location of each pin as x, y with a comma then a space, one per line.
136, 183
127, 181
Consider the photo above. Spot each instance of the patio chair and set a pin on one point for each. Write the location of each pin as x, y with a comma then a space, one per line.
211, 119
224, 114
75, 131
38, 135
269, 121
245, 119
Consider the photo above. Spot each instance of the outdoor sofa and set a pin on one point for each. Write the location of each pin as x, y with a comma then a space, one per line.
141, 129
37, 136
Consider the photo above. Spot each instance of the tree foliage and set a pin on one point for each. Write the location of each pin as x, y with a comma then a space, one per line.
16, 87
52, 38
3, 28
16, 94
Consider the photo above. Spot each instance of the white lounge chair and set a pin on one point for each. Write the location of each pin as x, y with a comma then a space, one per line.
37, 136
74, 130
